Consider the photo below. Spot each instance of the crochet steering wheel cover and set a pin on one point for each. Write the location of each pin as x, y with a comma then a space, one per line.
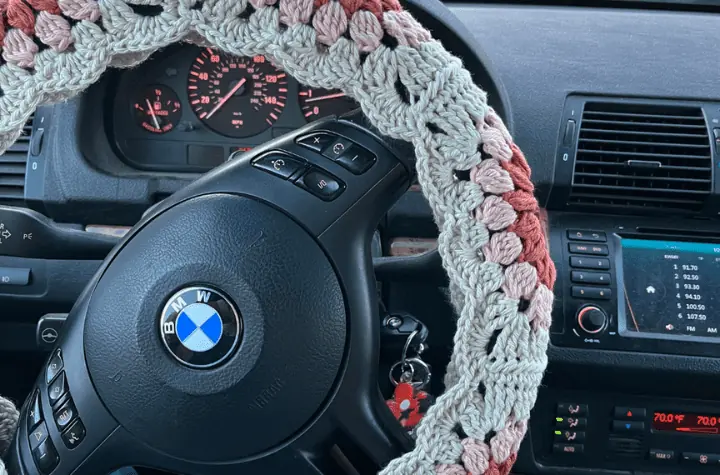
475, 178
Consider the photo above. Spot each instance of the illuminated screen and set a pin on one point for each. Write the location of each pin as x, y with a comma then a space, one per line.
687, 422
671, 287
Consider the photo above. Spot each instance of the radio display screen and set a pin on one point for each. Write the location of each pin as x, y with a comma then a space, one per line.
686, 422
671, 288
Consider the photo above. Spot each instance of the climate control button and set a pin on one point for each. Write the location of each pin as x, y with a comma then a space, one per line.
592, 319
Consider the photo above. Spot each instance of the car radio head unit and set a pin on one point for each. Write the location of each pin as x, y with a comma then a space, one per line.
670, 289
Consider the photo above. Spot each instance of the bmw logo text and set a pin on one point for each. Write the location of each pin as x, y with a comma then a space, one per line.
200, 327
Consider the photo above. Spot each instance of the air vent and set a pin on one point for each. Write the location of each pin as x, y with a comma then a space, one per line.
642, 157
12, 169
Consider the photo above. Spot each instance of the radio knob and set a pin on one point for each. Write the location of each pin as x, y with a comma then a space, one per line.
592, 319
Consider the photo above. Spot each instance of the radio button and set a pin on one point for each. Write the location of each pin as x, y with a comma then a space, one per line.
628, 426
572, 436
571, 409
598, 278
595, 293
630, 413
589, 263
700, 459
591, 319
568, 448
592, 249
570, 423
580, 235
662, 455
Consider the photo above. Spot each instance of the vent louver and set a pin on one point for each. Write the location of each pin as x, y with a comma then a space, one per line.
12, 169
642, 156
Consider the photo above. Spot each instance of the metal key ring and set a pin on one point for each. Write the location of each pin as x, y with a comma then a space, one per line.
408, 342
410, 362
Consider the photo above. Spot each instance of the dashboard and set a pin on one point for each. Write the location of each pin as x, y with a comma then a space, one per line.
188, 108
618, 113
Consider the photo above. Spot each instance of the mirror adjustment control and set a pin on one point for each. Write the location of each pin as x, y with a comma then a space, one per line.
46, 457
316, 141
34, 416
55, 365
279, 164
321, 184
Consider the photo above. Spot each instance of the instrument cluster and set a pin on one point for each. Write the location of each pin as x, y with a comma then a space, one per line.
189, 108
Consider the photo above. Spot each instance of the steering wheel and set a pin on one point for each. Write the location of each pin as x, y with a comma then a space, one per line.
234, 329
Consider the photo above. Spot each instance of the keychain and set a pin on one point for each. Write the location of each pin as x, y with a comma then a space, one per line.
410, 401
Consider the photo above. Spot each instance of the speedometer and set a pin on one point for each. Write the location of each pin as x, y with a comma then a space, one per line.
236, 96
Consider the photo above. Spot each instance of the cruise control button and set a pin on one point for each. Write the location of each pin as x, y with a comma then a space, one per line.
597, 293
566, 408
700, 458
34, 416
38, 436
337, 148
74, 435
573, 436
65, 415
662, 455
589, 263
357, 160
46, 457
279, 164
57, 389
321, 184
568, 448
316, 141
628, 427
570, 423
55, 365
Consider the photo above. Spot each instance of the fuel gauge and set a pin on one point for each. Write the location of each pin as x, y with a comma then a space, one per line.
157, 109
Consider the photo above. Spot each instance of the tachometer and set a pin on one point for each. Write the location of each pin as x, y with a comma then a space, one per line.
317, 102
157, 109
236, 96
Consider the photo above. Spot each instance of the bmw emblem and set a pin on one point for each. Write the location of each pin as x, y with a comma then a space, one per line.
200, 327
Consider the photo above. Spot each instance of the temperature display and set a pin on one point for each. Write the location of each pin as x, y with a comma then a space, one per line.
688, 422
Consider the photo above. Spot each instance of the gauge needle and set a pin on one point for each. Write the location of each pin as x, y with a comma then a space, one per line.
152, 114
328, 96
225, 98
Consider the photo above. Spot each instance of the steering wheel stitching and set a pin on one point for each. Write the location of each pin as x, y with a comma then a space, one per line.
475, 178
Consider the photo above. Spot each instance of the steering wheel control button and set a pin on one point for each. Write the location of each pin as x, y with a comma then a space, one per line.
571, 409
38, 435
592, 319
55, 365
662, 455
13, 275
48, 329
46, 457
57, 389
337, 148
279, 164
571, 423
74, 435
628, 427
65, 415
357, 160
700, 458
630, 413
317, 141
34, 416
200, 327
568, 448
589, 263
321, 184
579, 235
